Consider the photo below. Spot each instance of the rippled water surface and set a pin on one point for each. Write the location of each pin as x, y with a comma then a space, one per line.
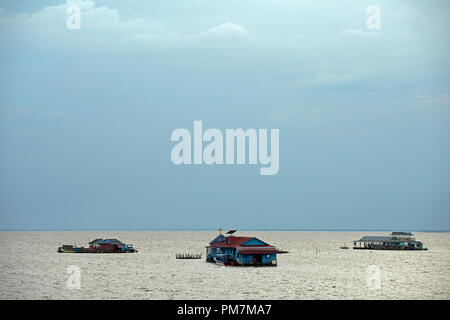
315, 268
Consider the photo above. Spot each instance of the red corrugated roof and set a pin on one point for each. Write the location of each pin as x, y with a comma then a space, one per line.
237, 242
231, 242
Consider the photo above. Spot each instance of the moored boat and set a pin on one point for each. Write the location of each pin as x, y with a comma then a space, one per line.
225, 260
99, 246
67, 249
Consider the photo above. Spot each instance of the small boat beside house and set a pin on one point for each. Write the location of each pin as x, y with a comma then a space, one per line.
395, 241
240, 251
100, 246
224, 260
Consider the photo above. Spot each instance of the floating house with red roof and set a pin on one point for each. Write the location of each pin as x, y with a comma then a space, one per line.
245, 251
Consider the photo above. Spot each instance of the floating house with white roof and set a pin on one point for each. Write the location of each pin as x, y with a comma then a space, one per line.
395, 241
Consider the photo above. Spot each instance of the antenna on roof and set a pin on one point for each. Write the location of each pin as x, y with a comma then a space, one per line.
231, 231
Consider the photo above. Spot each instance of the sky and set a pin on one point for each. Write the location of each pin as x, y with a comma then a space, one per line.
363, 114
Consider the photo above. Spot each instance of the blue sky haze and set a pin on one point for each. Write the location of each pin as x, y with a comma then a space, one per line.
86, 115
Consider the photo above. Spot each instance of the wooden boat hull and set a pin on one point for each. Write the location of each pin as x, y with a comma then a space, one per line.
91, 250
64, 250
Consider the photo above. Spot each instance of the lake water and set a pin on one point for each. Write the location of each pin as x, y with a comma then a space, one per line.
315, 268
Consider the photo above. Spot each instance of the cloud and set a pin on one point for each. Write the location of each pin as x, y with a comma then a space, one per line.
225, 32
290, 52
357, 32
428, 98
102, 27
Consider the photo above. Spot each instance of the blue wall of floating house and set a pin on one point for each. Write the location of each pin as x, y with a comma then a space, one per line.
239, 257
248, 258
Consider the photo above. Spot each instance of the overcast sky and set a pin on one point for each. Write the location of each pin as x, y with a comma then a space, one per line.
86, 115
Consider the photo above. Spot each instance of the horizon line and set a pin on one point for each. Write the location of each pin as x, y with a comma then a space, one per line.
210, 229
